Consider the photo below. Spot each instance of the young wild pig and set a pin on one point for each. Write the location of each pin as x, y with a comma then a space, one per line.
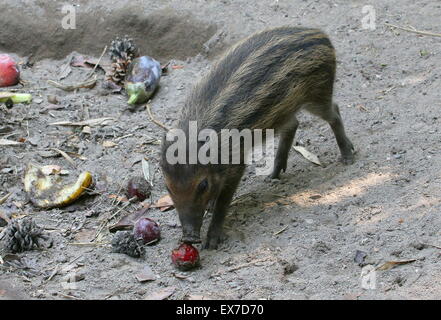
260, 83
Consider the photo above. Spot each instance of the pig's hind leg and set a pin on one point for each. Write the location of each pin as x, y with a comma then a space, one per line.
330, 112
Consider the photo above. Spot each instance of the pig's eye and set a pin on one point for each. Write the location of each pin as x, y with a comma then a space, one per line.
203, 186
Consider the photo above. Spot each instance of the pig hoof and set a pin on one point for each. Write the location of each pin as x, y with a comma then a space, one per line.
274, 175
276, 171
270, 178
212, 242
347, 160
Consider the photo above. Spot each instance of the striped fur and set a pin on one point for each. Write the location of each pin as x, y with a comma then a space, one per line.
260, 83
263, 80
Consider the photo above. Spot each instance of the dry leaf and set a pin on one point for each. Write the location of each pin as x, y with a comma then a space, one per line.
76, 155
196, 297
88, 84
50, 169
164, 203
7, 142
118, 198
109, 144
180, 276
146, 274
89, 122
85, 235
392, 264
307, 155
85, 62
146, 170
127, 222
65, 70
161, 294
352, 296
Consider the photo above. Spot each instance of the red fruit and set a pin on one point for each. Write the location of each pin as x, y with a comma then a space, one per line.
9, 73
185, 257
139, 187
146, 230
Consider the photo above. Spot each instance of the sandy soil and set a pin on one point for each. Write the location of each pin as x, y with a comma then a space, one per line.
290, 239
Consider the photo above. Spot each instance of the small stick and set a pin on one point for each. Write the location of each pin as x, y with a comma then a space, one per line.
104, 223
72, 87
96, 65
433, 246
123, 137
27, 89
125, 205
426, 33
3, 199
54, 273
154, 120
65, 156
280, 231
68, 296
88, 244
241, 266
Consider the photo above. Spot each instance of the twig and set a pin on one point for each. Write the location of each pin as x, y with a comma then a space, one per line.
123, 137
3, 199
96, 65
105, 222
154, 120
27, 89
241, 198
240, 266
426, 33
72, 87
433, 246
88, 244
122, 208
54, 273
280, 231
65, 156
75, 259
67, 296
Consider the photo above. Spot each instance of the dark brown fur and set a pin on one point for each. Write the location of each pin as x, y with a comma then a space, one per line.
260, 83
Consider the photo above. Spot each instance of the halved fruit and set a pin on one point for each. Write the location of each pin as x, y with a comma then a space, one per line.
48, 191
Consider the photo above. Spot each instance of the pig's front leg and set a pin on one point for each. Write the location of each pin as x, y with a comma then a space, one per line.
221, 206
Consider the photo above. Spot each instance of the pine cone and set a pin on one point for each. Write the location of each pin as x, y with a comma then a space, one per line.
118, 71
122, 52
124, 242
22, 235
123, 49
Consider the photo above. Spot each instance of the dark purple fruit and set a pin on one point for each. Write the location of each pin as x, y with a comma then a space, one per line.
139, 187
146, 231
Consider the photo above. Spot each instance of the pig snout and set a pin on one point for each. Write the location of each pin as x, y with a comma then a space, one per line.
190, 234
191, 228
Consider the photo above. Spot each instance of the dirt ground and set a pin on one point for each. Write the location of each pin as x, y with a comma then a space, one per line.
294, 238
